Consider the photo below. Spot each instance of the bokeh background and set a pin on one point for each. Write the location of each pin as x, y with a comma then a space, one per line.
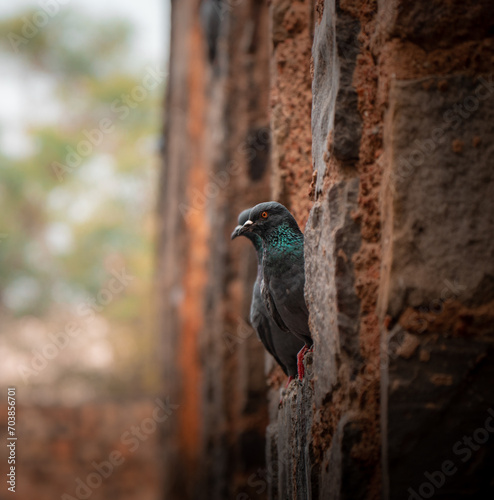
125, 305
82, 91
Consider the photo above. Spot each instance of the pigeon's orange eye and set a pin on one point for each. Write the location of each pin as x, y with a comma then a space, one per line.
264, 215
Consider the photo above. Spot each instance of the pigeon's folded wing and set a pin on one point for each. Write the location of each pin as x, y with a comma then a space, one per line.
260, 321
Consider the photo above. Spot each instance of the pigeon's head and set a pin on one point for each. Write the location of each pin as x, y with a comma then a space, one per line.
265, 218
242, 219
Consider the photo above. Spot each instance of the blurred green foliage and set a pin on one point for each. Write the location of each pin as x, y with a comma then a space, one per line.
67, 222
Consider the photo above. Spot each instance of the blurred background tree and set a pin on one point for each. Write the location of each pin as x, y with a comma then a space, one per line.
77, 182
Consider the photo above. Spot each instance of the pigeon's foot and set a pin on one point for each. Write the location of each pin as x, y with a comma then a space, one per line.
300, 362
290, 378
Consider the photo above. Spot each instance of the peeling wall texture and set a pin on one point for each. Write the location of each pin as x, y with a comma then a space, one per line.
373, 122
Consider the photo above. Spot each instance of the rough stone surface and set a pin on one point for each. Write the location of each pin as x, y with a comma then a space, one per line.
372, 121
438, 288
291, 98
433, 208
432, 406
454, 21
435, 298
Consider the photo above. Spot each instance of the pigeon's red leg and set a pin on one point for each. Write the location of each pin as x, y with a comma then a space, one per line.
300, 362
290, 378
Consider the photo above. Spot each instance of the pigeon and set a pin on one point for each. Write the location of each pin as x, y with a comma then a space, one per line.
282, 346
283, 270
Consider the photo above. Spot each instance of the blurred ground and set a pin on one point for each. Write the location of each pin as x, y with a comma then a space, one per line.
99, 450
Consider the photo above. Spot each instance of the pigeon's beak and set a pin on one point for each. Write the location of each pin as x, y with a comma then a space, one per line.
236, 232
246, 228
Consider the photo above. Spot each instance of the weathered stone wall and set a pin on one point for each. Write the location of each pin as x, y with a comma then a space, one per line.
216, 163
436, 296
373, 122
334, 416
